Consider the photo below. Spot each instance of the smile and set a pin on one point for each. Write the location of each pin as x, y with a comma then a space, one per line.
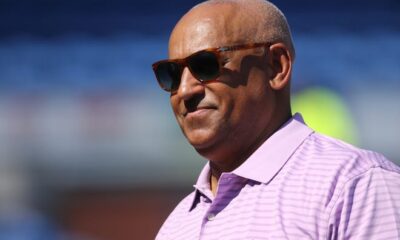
199, 112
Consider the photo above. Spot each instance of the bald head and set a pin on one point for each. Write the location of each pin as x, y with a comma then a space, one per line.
234, 22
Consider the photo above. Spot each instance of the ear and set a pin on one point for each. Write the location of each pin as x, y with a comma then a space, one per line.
280, 61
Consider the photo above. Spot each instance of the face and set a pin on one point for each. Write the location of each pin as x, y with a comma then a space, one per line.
221, 118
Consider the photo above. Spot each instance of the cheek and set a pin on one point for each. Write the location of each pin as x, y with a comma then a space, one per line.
175, 108
254, 100
258, 90
174, 105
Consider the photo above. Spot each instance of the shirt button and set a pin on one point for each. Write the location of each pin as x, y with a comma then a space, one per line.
211, 216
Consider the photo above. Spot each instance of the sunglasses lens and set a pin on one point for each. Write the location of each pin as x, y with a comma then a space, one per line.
168, 75
204, 66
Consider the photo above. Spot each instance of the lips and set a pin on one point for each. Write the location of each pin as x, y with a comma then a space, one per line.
197, 105
198, 111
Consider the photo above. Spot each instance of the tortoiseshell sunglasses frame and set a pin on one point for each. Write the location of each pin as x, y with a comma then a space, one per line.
183, 62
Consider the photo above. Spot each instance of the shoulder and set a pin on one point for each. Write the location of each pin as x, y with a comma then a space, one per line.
328, 166
366, 193
359, 189
341, 159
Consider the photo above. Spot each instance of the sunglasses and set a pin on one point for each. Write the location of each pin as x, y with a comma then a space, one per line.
205, 65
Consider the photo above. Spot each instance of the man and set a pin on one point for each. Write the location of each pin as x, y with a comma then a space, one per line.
268, 175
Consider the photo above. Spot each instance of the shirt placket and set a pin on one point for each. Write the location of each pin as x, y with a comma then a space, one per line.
226, 185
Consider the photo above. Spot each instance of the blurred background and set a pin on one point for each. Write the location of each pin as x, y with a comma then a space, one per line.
89, 148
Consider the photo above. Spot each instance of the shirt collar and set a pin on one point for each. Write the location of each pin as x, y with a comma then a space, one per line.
203, 181
272, 155
267, 160
202, 186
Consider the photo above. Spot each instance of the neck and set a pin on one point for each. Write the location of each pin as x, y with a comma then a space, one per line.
218, 167
214, 181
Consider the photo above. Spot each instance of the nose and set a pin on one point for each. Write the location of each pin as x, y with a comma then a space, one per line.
189, 86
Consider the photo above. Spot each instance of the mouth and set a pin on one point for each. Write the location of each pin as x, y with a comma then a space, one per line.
198, 111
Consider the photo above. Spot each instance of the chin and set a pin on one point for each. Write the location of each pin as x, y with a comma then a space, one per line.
201, 138
205, 142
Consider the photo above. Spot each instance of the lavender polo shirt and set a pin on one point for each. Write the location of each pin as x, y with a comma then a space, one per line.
298, 185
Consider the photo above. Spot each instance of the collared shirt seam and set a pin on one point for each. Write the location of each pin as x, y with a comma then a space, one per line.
343, 187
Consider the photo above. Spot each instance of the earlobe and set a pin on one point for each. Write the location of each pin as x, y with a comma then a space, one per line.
280, 60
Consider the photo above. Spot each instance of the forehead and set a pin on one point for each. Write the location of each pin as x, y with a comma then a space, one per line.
206, 28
